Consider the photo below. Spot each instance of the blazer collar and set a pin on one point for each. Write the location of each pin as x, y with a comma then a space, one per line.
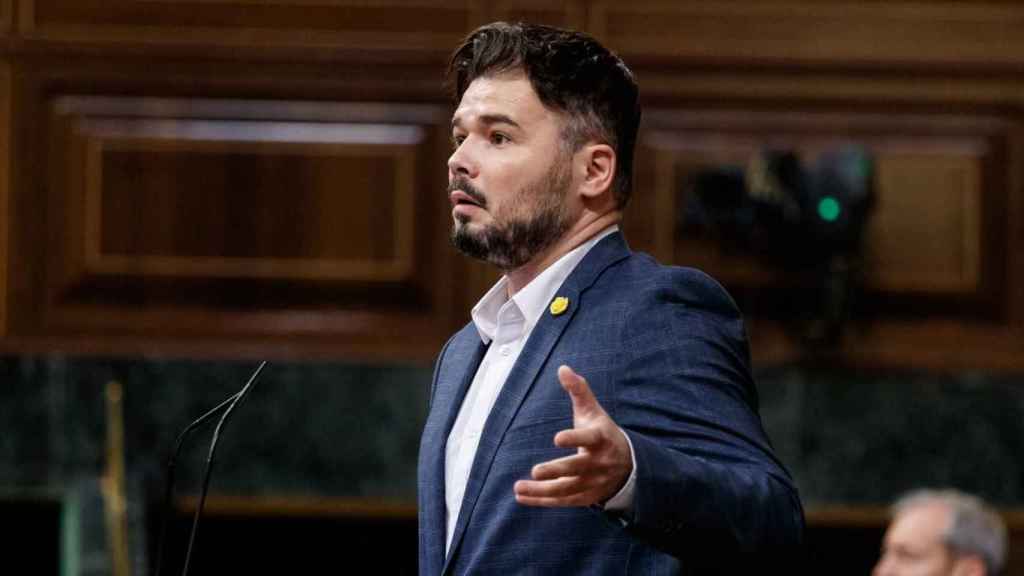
466, 351
608, 251
545, 335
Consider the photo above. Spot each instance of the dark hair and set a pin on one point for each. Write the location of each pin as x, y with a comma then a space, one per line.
571, 73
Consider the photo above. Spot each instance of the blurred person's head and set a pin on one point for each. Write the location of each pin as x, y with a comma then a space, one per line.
942, 532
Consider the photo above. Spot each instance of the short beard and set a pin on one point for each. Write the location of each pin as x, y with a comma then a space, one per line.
510, 244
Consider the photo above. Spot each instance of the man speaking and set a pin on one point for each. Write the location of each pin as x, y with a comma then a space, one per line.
598, 415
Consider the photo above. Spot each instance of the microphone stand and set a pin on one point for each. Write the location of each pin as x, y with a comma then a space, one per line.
227, 406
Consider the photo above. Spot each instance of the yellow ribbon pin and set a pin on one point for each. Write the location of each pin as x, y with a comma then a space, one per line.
559, 305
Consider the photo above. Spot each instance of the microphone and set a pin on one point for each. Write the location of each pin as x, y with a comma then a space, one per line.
227, 406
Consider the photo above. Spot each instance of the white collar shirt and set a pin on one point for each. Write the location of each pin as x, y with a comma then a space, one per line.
504, 323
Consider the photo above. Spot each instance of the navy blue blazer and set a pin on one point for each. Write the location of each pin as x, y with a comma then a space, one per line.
665, 352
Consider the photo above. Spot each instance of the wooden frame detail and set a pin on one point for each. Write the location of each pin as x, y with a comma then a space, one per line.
830, 33
357, 24
5, 185
966, 147
6, 16
399, 268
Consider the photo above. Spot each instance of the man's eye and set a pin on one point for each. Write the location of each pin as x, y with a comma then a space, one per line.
457, 141
499, 138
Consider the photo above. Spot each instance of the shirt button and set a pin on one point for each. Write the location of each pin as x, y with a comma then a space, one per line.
505, 351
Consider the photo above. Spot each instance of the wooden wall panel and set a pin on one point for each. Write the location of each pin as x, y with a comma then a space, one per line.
383, 25
6, 16
5, 182
925, 233
115, 101
939, 249
251, 199
219, 217
1014, 253
874, 33
563, 13
936, 264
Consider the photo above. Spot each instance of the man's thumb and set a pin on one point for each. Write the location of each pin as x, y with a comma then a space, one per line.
583, 401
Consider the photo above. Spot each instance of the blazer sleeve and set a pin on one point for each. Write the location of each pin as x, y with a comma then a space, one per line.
707, 480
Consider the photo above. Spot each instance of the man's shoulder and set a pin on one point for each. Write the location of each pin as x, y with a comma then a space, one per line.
641, 276
462, 343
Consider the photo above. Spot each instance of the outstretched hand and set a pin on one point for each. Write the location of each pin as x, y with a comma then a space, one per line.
599, 468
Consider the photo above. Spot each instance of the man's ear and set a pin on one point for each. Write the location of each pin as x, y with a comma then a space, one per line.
597, 165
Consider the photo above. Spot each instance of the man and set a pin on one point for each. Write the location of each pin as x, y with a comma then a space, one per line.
944, 532
598, 415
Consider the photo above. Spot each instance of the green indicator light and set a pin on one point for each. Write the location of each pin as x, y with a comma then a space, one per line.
828, 209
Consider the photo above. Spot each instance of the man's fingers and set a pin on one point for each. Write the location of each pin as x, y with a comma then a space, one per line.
595, 471
563, 487
584, 404
576, 500
575, 465
579, 438
570, 491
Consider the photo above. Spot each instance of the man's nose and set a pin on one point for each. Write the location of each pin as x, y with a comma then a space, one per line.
461, 163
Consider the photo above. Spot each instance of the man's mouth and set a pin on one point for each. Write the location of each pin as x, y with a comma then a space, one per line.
461, 198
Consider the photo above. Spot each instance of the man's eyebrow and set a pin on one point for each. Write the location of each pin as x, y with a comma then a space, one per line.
489, 120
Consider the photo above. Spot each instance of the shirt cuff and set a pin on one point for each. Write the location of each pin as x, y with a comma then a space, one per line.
622, 502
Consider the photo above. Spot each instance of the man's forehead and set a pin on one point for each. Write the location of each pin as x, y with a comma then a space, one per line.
921, 522
506, 95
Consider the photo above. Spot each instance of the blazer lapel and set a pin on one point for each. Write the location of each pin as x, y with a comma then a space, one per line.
523, 375
453, 380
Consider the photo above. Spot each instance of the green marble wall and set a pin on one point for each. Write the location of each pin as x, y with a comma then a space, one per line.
864, 438
306, 430
352, 431
317, 429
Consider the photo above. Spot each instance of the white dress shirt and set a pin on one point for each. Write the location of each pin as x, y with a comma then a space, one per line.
505, 323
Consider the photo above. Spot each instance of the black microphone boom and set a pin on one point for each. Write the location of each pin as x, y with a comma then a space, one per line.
169, 488
227, 406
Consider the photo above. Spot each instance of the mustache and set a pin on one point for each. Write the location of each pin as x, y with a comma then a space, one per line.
470, 190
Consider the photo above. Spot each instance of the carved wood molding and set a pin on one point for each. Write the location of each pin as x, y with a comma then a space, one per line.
929, 177
328, 24
159, 76
6, 16
948, 277
267, 219
833, 33
5, 183
217, 139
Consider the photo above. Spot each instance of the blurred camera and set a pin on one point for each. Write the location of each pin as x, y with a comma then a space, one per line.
806, 220
777, 208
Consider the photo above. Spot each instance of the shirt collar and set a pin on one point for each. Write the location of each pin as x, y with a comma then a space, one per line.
533, 298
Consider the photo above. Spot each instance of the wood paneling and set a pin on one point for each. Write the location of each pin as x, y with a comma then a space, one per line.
6, 16
937, 249
245, 198
387, 25
935, 252
1015, 238
831, 33
243, 217
165, 151
929, 184
563, 13
5, 180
